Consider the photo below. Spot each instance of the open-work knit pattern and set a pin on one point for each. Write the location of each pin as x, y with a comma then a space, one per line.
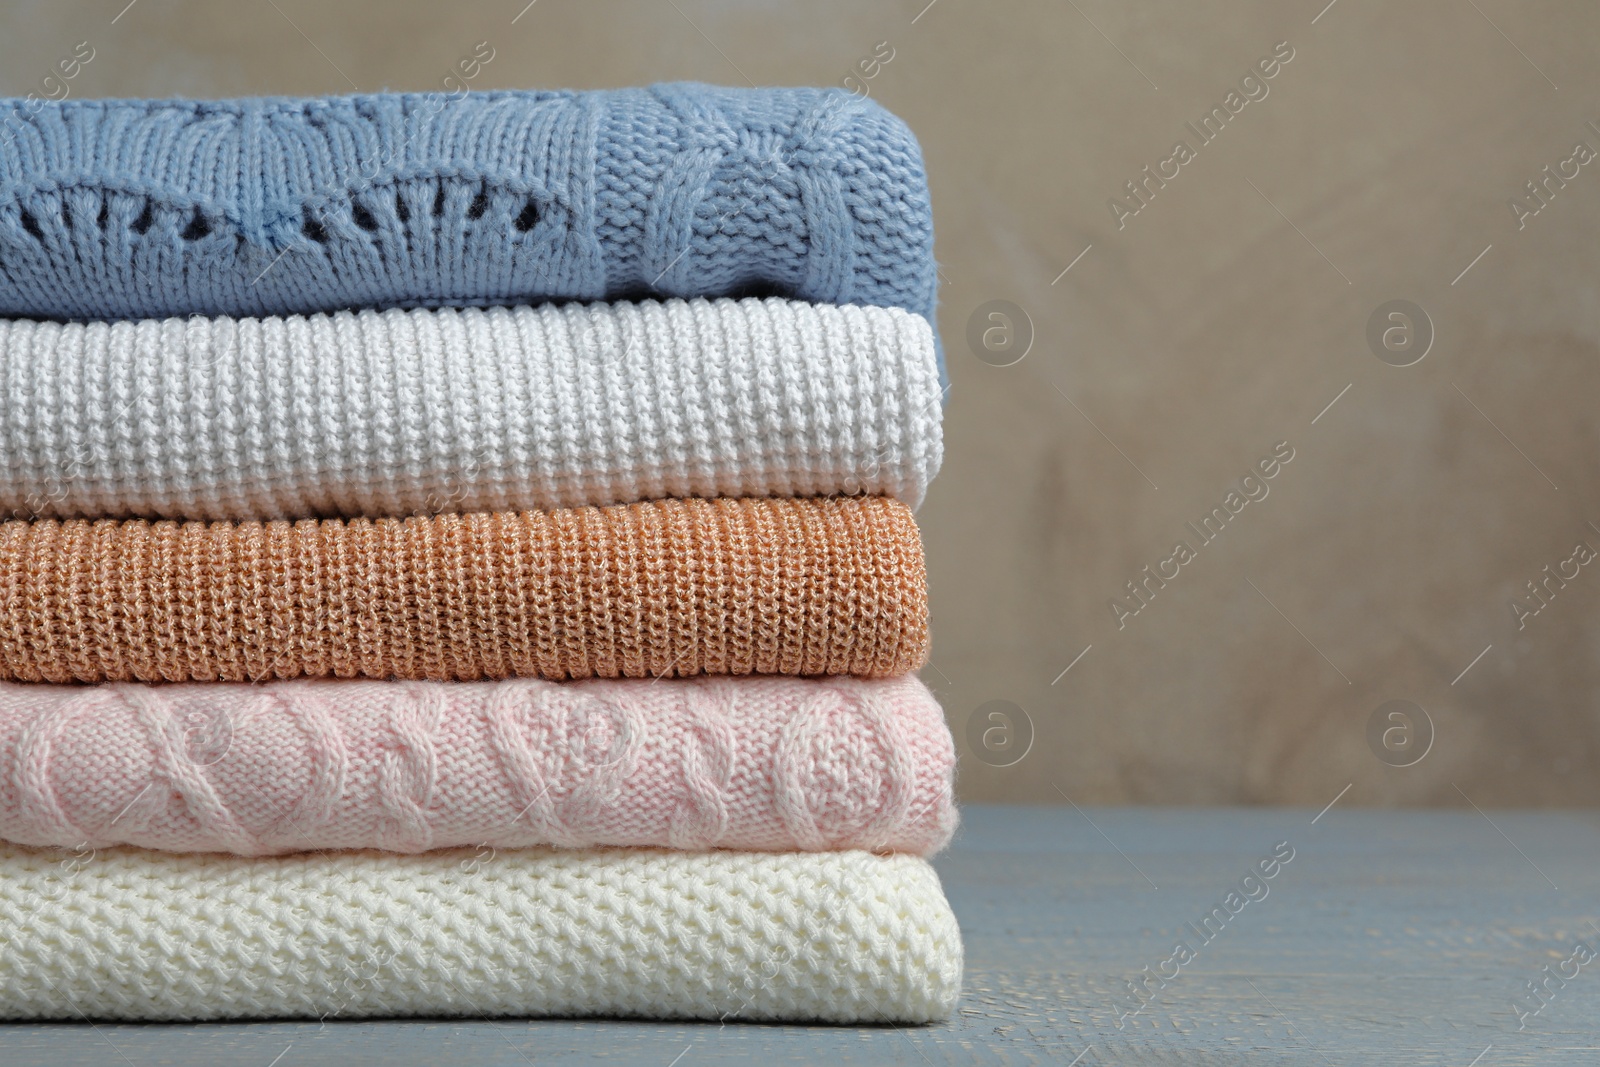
750, 763
673, 587
844, 937
146, 208
406, 412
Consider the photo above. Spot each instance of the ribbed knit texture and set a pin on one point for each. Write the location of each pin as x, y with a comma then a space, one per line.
844, 937
408, 412
751, 763
143, 208
675, 587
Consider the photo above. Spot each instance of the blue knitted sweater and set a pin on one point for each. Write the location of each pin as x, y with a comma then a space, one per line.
139, 208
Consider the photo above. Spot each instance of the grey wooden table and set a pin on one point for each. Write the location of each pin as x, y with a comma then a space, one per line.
1388, 938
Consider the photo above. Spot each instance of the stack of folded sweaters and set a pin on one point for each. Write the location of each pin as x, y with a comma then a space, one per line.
463, 563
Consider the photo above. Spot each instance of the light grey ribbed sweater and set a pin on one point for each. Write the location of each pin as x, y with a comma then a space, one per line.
400, 412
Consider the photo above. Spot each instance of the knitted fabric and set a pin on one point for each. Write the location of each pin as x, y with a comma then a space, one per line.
404, 412
751, 763
674, 587
148, 208
843, 937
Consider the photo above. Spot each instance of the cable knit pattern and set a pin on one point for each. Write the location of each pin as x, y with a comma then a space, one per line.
408, 412
770, 764
674, 587
842, 937
148, 208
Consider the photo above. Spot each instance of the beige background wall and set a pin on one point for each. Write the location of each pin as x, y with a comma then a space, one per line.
1177, 352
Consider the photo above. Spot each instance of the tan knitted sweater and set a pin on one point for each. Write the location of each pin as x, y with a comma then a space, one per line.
673, 587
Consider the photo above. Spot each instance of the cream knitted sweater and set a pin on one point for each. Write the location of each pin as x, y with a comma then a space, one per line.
845, 937
422, 411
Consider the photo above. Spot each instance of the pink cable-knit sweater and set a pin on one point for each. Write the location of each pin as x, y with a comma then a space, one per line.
765, 763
